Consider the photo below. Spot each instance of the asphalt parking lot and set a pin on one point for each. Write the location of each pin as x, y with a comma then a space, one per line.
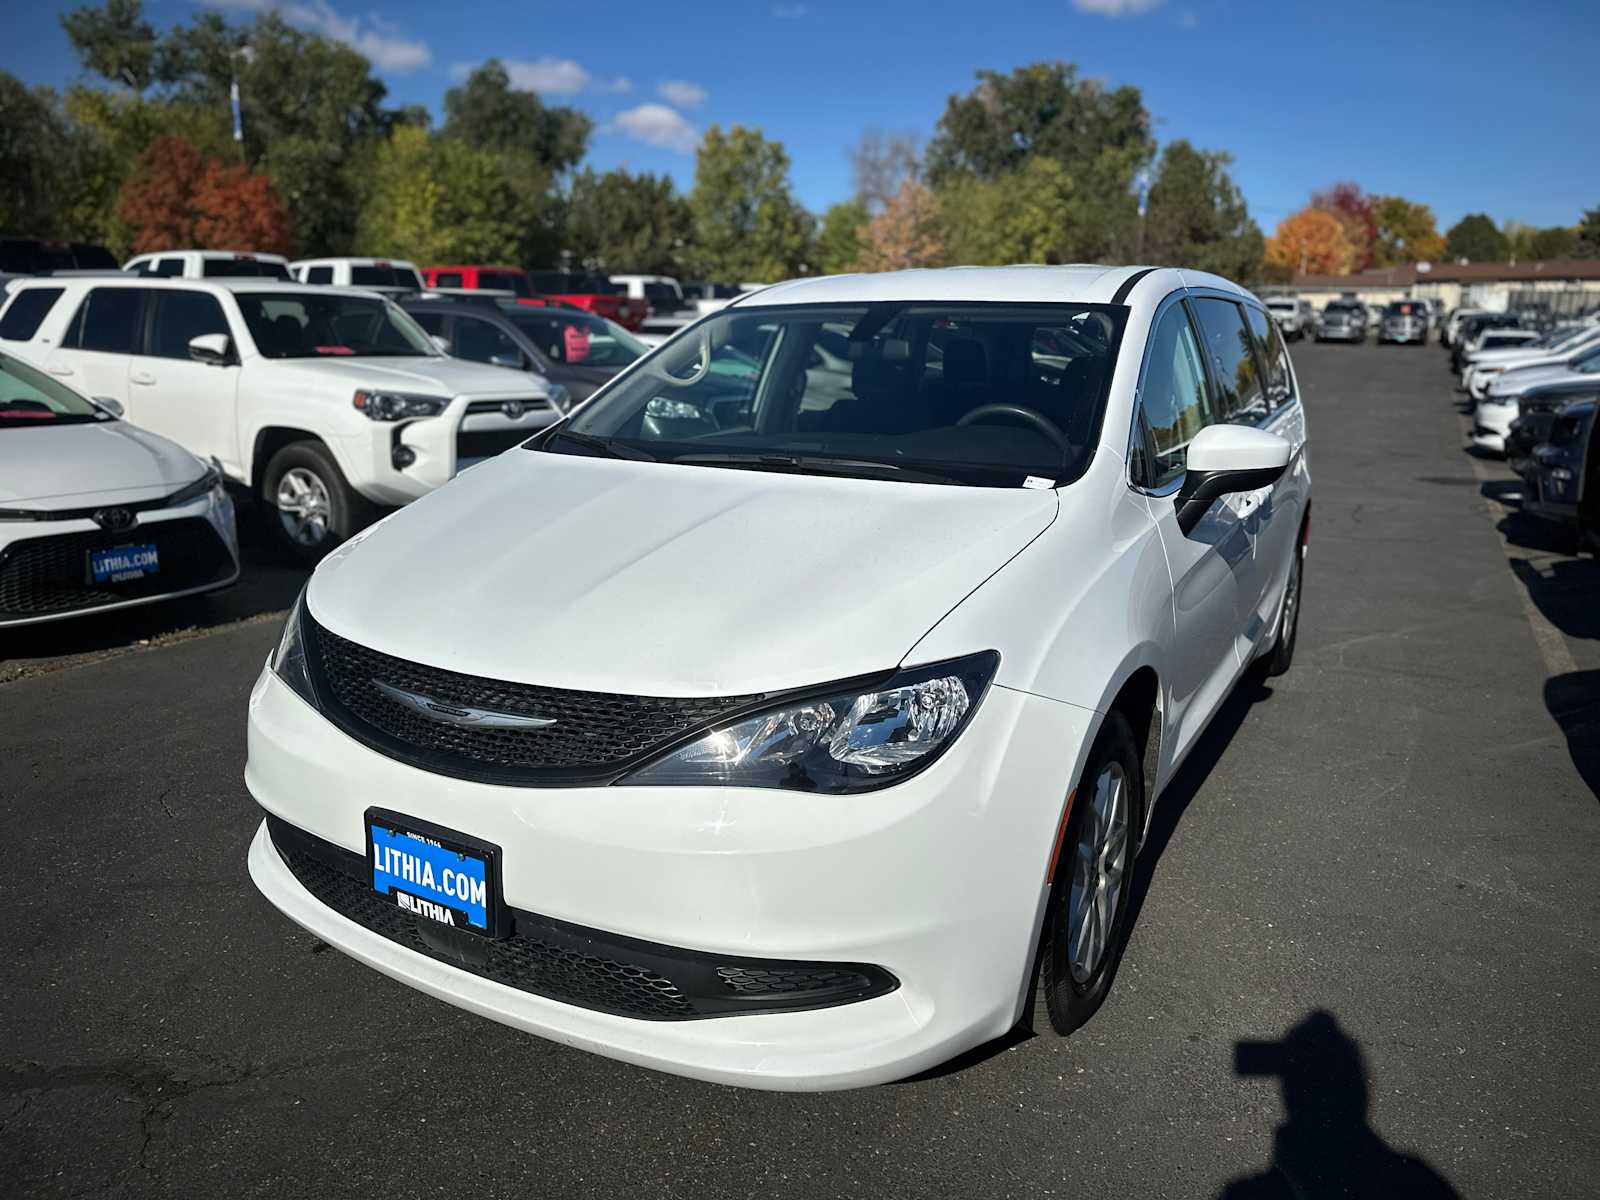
1385, 864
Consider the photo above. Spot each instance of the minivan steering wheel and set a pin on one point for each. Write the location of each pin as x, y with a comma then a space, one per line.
1031, 416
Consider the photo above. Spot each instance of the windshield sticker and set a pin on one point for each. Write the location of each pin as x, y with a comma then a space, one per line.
577, 338
334, 350
1033, 481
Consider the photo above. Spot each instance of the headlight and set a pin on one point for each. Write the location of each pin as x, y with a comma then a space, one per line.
398, 406
289, 661
560, 399
847, 741
210, 480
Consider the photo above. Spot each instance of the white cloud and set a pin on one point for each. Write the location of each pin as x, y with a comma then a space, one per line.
657, 125
381, 41
790, 12
1116, 8
682, 93
548, 76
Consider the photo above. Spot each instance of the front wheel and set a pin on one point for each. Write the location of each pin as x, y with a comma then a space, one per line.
311, 507
1086, 922
1281, 657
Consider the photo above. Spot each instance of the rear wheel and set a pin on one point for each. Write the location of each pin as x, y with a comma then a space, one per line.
311, 508
1086, 921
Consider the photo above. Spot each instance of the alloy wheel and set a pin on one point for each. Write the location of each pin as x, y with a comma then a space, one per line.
1099, 870
303, 506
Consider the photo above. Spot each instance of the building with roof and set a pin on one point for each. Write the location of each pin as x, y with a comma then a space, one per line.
1569, 286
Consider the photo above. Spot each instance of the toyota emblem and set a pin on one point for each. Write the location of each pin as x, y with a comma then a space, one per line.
113, 519
513, 409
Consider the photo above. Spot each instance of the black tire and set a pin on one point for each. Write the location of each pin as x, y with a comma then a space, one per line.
1062, 1000
345, 510
1281, 657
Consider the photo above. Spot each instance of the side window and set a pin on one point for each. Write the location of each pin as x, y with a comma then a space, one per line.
1174, 397
1232, 352
447, 279
169, 268
27, 312
109, 321
319, 274
431, 322
482, 342
1274, 357
179, 316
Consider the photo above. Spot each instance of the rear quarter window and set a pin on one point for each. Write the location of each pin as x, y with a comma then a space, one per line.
23, 316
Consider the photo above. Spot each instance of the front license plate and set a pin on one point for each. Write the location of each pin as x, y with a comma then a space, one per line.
122, 563
434, 874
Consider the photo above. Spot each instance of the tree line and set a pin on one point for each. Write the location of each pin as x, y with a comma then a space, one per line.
1036, 165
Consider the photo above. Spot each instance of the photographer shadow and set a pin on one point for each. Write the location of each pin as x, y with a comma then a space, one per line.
1325, 1147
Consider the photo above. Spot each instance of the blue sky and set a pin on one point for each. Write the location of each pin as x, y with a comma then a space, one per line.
1464, 106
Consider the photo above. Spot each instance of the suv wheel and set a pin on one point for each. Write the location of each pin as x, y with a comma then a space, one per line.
1282, 654
310, 506
1086, 923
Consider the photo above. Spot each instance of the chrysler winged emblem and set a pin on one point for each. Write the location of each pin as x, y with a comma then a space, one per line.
452, 714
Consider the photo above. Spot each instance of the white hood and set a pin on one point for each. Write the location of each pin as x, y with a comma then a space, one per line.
1517, 380
423, 376
653, 579
73, 466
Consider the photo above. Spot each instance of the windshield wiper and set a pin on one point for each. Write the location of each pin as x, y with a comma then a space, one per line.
809, 464
609, 447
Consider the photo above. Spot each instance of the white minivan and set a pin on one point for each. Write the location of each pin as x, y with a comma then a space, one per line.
808, 737
325, 403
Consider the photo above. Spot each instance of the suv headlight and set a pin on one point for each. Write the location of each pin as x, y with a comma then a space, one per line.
398, 406
850, 740
560, 399
210, 481
289, 658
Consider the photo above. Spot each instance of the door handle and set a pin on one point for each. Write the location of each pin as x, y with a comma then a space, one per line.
59, 369
142, 377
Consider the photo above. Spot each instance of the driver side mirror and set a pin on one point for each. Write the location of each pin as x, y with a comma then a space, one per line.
441, 343
111, 405
213, 349
1225, 459
512, 361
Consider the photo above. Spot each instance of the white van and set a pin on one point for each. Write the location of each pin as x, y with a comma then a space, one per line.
209, 264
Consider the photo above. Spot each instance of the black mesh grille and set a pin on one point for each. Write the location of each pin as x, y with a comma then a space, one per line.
577, 965
596, 734
39, 576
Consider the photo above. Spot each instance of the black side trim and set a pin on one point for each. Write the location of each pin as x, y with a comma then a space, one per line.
577, 965
1128, 285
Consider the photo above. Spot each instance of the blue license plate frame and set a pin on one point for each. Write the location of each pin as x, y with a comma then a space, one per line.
445, 896
124, 564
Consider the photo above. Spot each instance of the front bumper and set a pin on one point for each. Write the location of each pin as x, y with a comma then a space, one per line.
939, 881
1341, 333
1490, 425
44, 565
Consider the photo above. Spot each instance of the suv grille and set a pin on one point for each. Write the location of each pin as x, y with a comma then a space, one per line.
574, 964
40, 576
596, 735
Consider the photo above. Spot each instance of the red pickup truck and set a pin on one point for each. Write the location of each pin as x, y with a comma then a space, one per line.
592, 293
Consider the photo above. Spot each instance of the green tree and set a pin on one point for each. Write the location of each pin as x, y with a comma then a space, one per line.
624, 222
1024, 217
434, 199
1558, 241
31, 137
115, 42
1476, 239
839, 239
487, 113
1589, 235
747, 224
1406, 232
1197, 218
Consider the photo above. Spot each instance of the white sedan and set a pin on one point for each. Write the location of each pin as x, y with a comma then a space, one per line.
98, 515
803, 740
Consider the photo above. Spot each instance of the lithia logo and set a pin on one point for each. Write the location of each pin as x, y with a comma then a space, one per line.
450, 714
114, 519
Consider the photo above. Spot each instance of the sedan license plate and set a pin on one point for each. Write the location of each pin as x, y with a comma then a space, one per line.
120, 564
434, 874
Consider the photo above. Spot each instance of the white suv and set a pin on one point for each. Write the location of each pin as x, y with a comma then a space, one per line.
209, 264
324, 403
376, 274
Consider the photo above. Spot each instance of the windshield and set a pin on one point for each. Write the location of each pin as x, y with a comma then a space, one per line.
1341, 310
1281, 305
243, 268
505, 281
30, 398
296, 325
982, 394
574, 337
402, 277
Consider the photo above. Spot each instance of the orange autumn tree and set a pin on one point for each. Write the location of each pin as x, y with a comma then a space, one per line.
905, 234
176, 199
1311, 242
